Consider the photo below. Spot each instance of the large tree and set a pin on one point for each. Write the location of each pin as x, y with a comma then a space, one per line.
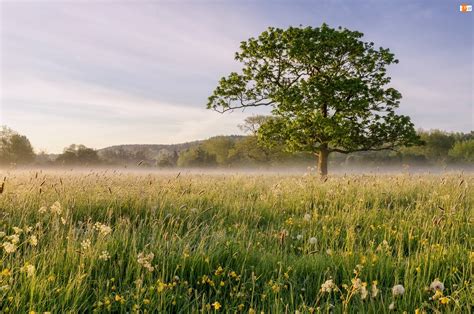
327, 89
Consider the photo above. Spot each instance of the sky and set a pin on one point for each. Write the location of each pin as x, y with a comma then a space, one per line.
103, 73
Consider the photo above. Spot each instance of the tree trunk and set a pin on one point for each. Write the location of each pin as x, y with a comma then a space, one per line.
323, 161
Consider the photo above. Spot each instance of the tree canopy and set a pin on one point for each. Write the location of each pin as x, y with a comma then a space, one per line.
327, 89
15, 148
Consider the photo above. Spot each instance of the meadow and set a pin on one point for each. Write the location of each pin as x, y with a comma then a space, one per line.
110, 241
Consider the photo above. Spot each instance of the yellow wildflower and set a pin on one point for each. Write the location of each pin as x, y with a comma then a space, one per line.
216, 305
444, 300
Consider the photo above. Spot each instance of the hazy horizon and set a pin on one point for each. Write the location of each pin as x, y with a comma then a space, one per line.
104, 74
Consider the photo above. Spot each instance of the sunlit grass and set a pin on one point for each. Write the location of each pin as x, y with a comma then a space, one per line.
126, 242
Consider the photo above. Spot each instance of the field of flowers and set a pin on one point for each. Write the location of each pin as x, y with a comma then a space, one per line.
108, 241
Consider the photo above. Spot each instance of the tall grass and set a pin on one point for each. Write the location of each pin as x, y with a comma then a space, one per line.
235, 243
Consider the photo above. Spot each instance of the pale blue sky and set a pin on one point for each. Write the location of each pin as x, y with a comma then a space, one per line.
102, 73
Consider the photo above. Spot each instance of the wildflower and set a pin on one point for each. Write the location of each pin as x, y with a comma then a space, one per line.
307, 217
2, 234
299, 237
328, 286
356, 284
63, 220
438, 294
28, 229
105, 256
17, 230
384, 246
56, 208
329, 252
216, 305
312, 240
391, 307
398, 290
437, 285
118, 298
6, 272
86, 244
444, 300
28, 269
33, 240
42, 210
103, 229
145, 260
219, 271
374, 290
14, 238
363, 291
146, 301
9, 247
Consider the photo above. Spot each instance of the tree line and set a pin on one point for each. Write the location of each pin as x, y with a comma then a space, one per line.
439, 148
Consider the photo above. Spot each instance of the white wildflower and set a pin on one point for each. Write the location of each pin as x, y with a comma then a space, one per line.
9, 247
398, 290
299, 237
103, 229
307, 217
28, 269
391, 307
105, 256
328, 286
17, 230
63, 220
374, 290
14, 238
86, 244
356, 283
28, 229
363, 291
33, 240
56, 208
313, 240
145, 260
437, 285
42, 210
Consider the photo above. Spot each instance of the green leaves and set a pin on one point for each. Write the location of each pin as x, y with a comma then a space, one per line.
326, 87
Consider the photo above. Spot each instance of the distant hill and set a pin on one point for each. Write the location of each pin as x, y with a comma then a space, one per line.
148, 153
158, 147
131, 148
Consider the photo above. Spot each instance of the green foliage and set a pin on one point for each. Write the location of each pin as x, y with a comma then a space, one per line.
167, 159
15, 148
78, 155
219, 147
437, 147
196, 157
463, 151
328, 90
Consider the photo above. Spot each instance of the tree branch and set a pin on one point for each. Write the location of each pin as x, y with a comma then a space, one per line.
230, 108
337, 150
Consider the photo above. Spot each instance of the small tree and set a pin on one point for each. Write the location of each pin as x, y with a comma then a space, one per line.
327, 89
15, 148
78, 155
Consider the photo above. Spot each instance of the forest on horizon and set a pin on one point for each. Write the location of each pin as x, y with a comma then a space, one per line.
440, 148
